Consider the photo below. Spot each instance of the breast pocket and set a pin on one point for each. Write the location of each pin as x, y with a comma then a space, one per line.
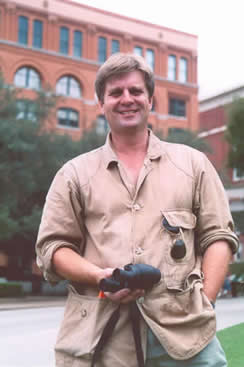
177, 232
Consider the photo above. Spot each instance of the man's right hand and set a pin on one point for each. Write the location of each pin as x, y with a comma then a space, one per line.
123, 296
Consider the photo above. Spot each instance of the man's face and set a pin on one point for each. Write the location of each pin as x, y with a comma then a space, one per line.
126, 102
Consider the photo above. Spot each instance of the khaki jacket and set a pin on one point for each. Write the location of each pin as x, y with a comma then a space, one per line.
93, 209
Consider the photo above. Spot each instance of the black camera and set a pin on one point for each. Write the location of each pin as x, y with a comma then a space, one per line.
133, 276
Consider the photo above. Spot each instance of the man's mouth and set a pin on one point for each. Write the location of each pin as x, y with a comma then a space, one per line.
129, 112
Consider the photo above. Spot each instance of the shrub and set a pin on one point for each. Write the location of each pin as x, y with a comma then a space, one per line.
11, 290
237, 268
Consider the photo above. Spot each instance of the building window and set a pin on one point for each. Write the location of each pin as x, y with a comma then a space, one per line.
37, 33
23, 30
115, 47
64, 41
26, 110
172, 67
183, 70
177, 107
138, 50
150, 58
237, 175
27, 78
68, 117
77, 44
69, 87
101, 125
102, 49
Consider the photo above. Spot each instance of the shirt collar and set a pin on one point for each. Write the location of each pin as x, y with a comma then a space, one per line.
154, 150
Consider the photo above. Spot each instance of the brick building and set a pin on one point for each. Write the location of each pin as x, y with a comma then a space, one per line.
62, 43
213, 119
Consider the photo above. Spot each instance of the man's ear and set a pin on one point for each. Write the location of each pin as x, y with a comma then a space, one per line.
101, 105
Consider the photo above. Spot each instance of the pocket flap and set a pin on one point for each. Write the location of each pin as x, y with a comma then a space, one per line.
180, 218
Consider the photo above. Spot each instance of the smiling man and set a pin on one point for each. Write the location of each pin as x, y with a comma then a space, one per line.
137, 200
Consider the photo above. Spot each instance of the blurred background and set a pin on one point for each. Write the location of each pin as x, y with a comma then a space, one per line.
50, 51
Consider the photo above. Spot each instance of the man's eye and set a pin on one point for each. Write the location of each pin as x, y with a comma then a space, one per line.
136, 92
115, 93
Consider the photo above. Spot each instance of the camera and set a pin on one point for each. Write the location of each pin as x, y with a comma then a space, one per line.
133, 276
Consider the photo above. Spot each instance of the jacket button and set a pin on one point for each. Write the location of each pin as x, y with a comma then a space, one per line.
83, 313
138, 250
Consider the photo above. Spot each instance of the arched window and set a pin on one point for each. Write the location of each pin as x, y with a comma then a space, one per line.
68, 117
69, 87
27, 77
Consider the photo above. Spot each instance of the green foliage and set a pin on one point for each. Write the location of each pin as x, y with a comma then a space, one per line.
238, 218
186, 137
8, 226
29, 159
232, 342
237, 268
235, 135
11, 290
91, 140
8, 96
30, 156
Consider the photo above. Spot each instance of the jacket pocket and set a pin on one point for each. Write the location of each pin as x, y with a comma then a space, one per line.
84, 320
182, 318
177, 234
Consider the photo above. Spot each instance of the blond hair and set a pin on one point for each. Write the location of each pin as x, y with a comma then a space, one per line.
120, 63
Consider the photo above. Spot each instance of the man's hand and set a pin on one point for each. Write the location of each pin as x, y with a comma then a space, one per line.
123, 295
72, 266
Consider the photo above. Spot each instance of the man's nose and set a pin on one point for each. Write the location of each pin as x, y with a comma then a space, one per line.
126, 97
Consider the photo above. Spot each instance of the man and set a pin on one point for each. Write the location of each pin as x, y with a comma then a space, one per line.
137, 200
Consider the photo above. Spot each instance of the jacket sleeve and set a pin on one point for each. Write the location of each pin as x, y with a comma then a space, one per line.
62, 222
214, 220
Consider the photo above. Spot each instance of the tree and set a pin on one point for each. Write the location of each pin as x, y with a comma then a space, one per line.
29, 158
187, 137
235, 135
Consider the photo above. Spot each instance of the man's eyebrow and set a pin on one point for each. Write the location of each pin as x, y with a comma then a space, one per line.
115, 89
136, 87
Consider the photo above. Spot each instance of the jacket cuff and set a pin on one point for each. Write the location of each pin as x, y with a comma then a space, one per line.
44, 261
231, 238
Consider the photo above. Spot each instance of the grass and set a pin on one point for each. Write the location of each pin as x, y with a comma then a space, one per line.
232, 340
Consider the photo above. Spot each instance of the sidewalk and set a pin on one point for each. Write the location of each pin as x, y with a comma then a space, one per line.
31, 302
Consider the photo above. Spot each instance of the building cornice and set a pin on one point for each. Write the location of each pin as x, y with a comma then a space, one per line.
221, 99
113, 23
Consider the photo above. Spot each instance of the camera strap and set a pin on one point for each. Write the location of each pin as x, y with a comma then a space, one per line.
135, 322
109, 328
106, 334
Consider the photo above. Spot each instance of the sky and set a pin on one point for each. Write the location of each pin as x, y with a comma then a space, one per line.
218, 24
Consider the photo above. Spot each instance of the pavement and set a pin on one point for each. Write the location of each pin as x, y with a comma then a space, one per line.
31, 302
229, 311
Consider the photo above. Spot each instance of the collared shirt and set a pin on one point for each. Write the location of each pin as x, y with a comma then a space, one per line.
92, 208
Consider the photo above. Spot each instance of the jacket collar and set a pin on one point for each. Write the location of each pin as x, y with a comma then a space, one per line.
154, 150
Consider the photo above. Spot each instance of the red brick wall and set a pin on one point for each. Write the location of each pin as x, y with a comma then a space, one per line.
212, 118
51, 65
220, 148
